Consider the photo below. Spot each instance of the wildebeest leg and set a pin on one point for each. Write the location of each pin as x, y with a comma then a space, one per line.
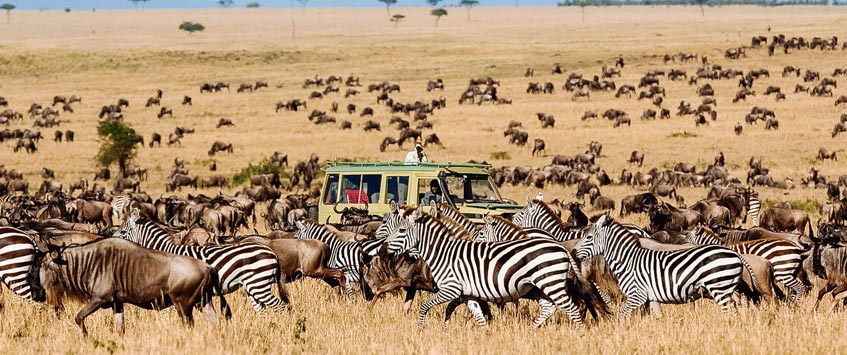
410, 296
451, 307
92, 306
838, 295
118, 309
829, 286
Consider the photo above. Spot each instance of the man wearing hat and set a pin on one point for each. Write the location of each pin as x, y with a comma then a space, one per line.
417, 155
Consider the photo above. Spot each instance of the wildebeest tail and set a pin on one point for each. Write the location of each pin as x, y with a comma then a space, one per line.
587, 297
280, 283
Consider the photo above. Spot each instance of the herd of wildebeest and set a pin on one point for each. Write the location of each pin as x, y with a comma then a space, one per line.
83, 240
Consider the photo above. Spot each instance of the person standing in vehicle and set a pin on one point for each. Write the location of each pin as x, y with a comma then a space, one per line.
417, 155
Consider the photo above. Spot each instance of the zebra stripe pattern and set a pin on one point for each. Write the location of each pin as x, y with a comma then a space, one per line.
17, 254
655, 276
250, 265
447, 211
497, 229
499, 272
120, 207
344, 255
753, 208
783, 255
536, 214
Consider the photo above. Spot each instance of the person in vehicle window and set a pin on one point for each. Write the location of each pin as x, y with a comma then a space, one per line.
434, 193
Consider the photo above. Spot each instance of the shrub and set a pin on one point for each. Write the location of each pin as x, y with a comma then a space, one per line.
264, 167
683, 134
253, 5
191, 27
500, 156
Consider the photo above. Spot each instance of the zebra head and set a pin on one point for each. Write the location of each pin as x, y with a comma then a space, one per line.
594, 241
130, 229
487, 232
521, 217
390, 221
402, 237
694, 234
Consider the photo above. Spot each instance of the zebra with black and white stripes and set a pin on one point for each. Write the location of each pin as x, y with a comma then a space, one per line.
498, 229
253, 266
120, 207
17, 255
537, 214
784, 256
499, 272
654, 276
753, 207
344, 255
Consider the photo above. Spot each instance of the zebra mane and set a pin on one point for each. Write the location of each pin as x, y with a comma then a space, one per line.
549, 211
454, 214
506, 223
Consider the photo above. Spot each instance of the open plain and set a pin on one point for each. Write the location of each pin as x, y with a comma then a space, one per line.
105, 55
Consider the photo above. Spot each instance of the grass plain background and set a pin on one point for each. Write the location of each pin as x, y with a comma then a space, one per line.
105, 55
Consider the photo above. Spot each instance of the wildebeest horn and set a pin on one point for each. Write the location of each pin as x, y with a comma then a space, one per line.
335, 208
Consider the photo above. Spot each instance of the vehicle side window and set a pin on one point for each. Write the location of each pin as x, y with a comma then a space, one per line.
350, 189
331, 190
371, 188
397, 189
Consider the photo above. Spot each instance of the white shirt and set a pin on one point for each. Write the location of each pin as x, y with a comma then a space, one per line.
412, 157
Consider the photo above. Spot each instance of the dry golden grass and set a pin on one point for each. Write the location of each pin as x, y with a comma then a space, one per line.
110, 54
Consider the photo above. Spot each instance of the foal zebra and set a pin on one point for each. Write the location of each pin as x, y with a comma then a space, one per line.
17, 254
344, 255
253, 266
783, 255
500, 272
657, 277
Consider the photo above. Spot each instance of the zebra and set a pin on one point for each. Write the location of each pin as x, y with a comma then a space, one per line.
253, 266
537, 214
500, 272
17, 256
783, 255
497, 229
120, 207
656, 276
753, 207
344, 255
447, 211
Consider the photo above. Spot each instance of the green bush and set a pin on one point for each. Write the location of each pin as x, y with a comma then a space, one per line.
253, 5
500, 156
683, 135
191, 27
264, 167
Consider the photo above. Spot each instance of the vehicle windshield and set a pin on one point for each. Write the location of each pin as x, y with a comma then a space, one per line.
471, 188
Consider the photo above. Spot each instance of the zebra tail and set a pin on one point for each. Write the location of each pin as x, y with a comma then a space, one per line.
216, 287
755, 283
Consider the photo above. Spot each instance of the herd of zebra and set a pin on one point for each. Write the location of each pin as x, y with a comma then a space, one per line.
582, 266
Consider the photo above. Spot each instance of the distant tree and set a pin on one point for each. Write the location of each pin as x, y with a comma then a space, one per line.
253, 5
8, 7
191, 27
396, 19
303, 2
225, 3
388, 4
468, 4
582, 4
118, 144
701, 3
67, 9
433, 3
438, 13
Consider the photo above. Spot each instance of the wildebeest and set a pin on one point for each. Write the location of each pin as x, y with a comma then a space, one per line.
225, 122
165, 111
785, 220
186, 100
538, 146
177, 181
219, 146
824, 154
637, 203
111, 272
636, 157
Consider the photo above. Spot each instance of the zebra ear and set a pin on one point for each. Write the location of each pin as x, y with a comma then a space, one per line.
528, 201
488, 219
392, 207
417, 213
433, 208
135, 214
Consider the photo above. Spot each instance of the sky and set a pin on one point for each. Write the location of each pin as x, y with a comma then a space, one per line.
126, 4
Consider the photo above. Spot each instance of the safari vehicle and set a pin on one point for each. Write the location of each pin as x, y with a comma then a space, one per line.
468, 187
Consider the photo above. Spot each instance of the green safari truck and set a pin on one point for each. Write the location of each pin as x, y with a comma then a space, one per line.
468, 187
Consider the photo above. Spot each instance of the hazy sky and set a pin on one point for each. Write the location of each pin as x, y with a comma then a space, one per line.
126, 4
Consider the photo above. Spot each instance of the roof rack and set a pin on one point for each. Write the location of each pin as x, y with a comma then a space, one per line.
333, 163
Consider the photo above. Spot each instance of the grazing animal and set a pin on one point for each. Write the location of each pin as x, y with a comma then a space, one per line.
654, 276
111, 272
219, 146
225, 122
538, 146
344, 255
17, 256
250, 265
636, 157
824, 154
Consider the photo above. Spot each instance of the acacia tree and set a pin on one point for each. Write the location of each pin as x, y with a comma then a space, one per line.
469, 4
582, 4
192, 27
225, 3
438, 13
433, 3
8, 7
118, 144
701, 3
388, 4
396, 19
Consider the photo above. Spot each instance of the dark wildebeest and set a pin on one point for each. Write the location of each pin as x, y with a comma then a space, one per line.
155, 138
186, 100
538, 147
225, 122
636, 157
824, 154
785, 220
177, 181
110, 272
103, 174
219, 146
637, 203
302, 257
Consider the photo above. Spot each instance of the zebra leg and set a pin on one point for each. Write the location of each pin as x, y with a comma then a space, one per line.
447, 293
476, 310
547, 309
632, 303
655, 309
263, 297
348, 284
796, 287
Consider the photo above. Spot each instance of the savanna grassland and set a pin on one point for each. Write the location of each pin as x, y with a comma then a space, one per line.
106, 55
